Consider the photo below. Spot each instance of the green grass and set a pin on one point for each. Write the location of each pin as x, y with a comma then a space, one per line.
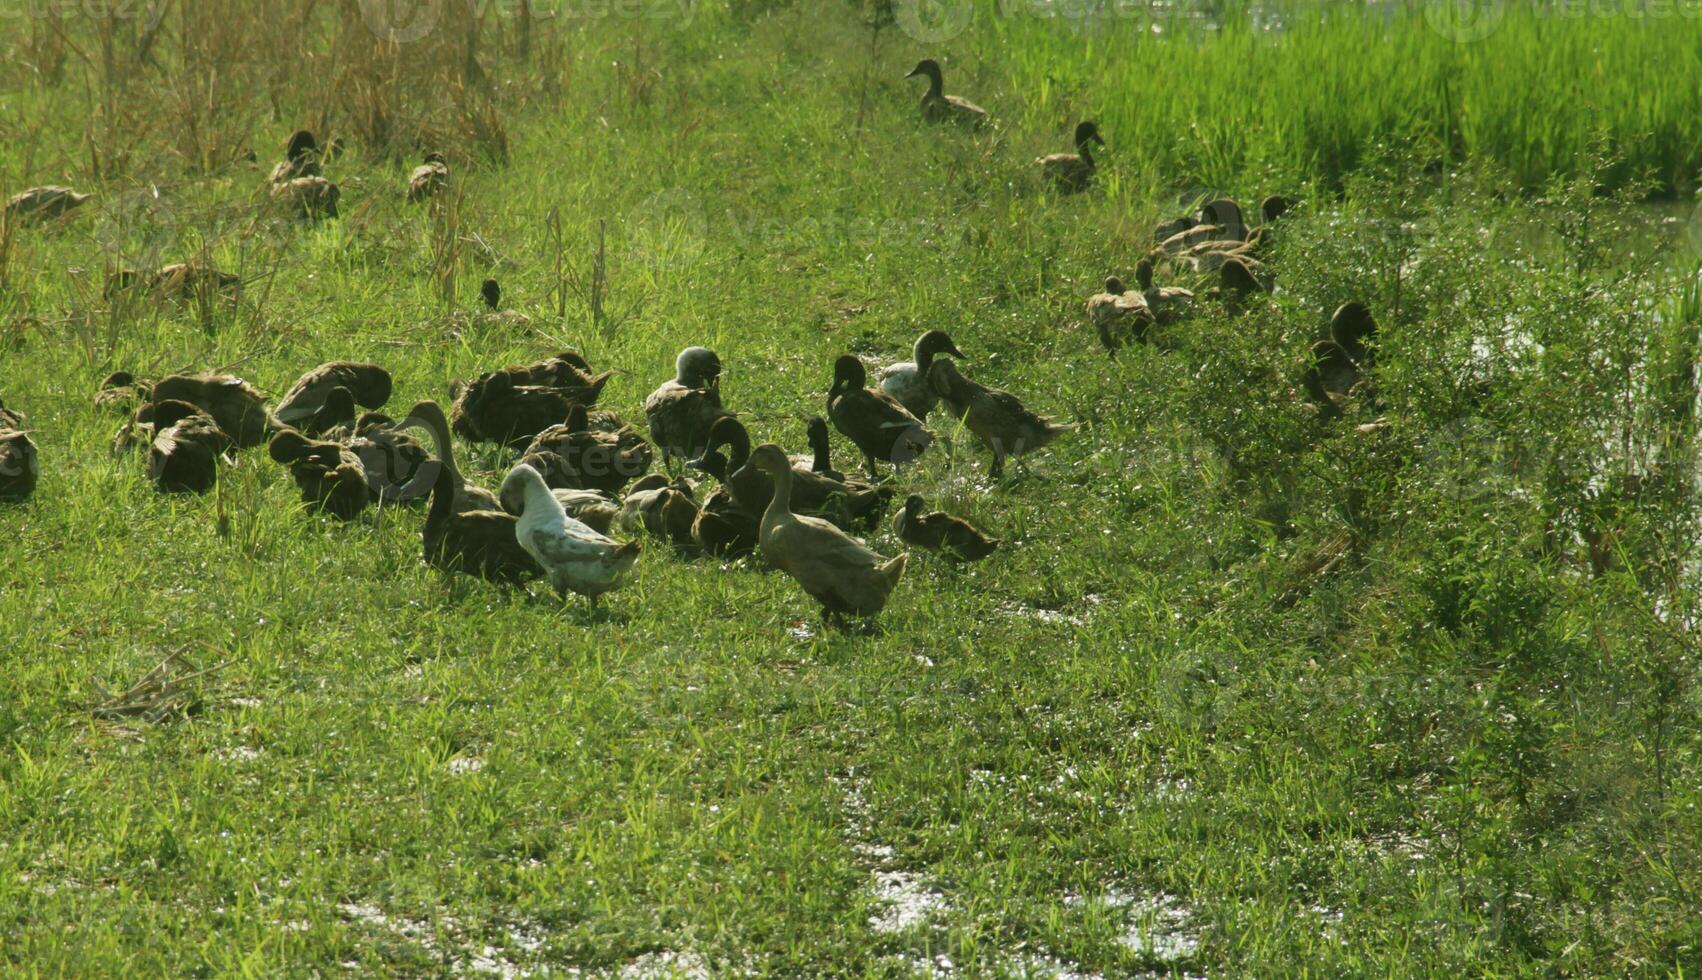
1291, 699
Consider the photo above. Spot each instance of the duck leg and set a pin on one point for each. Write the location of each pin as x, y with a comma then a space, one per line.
869, 458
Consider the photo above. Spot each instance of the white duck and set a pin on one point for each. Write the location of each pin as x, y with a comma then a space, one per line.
908, 381
576, 558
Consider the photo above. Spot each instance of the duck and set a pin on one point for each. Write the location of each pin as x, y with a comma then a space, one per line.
907, 381
844, 503
941, 533
1167, 303
335, 418
664, 508
301, 159
821, 448
937, 107
188, 444
1070, 173
431, 176
1240, 276
330, 476
874, 421
1220, 227
19, 466
399, 470
121, 392
723, 528
500, 407
1341, 362
478, 542
307, 198
494, 315
834, 568
571, 455
996, 417
368, 384
462, 496
179, 282
1119, 312
237, 406
574, 557
44, 203
682, 410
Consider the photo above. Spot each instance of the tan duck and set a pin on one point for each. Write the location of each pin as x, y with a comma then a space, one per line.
238, 407
301, 159
571, 455
845, 503
996, 417
122, 391
907, 381
431, 176
664, 508
1070, 173
43, 203
1220, 227
1119, 313
1241, 276
188, 446
837, 570
874, 421
1167, 303
19, 466
329, 474
462, 495
574, 557
179, 282
941, 533
682, 410
308, 198
481, 543
938, 107
493, 315
369, 385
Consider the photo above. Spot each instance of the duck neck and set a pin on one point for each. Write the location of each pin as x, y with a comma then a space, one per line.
936, 86
738, 448
439, 429
781, 502
821, 448
1085, 150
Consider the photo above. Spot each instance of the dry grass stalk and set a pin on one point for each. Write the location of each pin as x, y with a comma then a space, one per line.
167, 690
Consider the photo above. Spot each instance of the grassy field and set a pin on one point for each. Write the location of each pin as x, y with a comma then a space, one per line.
1243, 694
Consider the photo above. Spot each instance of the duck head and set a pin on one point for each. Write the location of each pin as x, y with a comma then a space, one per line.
1351, 326
770, 459
698, 367
848, 375
931, 343
1274, 207
302, 144
118, 379
435, 157
913, 506
816, 433
1143, 274
1225, 212
520, 487
492, 294
930, 69
1087, 132
1114, 286
713, 463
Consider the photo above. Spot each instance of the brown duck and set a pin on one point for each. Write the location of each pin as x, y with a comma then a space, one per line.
874, 421
481, 543
121, 392
43, 203
663, 508
188, 446
942, 533
682, 410
369, 385
431, 176
1070, 173
330, 476
19, 466
238, 407
938, 107
845, 504
570, 455
996, 417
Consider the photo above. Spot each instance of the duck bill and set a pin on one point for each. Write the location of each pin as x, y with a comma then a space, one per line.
912, 73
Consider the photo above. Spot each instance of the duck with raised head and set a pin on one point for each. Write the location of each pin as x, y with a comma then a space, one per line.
996, 417
874, 421
837, 570
1070, 173
821, 449
493, 315
330, 476
941, 533
907, 381
1119, 313
482, 543
19, 466
573, 556
122, 391
1167, 303
44, 203
368, 384
462, 496
682, 410
237, 406
664, 508
938, 107
301, 159
844, 503
1341, 363
571, 455
188, 446
431, 176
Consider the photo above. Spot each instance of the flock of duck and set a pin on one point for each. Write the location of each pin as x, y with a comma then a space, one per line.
584, 473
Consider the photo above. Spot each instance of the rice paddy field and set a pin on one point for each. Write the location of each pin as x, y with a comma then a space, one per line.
1246, 690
